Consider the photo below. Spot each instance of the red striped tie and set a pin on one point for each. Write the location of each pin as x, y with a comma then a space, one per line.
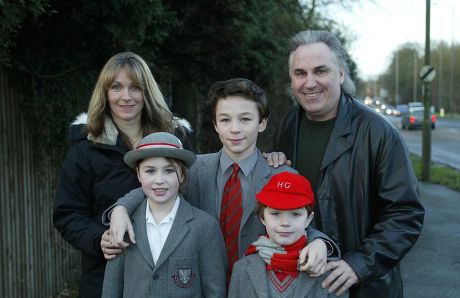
230, 215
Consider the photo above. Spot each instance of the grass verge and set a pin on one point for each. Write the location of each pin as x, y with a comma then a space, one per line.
439, 174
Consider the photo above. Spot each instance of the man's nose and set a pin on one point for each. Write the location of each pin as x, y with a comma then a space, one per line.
310, 81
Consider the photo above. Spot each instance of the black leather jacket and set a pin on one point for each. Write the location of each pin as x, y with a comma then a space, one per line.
367, 194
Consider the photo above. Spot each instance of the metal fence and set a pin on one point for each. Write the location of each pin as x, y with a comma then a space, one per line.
34, 260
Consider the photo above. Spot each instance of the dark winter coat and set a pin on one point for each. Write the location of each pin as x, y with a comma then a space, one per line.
367, 194
92, 178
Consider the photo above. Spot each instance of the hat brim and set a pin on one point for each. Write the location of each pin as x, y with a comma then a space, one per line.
132, 157
282, 200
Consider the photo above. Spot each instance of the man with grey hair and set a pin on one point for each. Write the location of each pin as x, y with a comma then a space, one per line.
366, 193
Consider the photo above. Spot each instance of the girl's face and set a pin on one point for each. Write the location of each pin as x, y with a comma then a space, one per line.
160, 180
285, 227
126, 99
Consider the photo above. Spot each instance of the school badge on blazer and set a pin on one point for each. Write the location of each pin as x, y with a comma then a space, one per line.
184, 277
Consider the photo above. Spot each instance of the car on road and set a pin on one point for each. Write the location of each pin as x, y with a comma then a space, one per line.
415, 104
414, 118
391, 110
402, 109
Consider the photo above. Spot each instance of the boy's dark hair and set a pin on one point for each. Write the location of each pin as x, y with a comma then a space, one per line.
259, 209
238, 87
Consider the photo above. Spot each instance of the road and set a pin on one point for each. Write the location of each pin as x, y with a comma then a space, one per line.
432, 267
445, 140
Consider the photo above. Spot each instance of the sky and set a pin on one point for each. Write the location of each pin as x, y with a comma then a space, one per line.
379, 27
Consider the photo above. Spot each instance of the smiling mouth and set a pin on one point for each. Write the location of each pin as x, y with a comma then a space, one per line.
160, 189
285, 234
311, 94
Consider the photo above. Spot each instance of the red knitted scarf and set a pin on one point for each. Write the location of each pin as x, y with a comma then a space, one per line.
283, 260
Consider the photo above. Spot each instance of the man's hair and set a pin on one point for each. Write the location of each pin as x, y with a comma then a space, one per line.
259, 209
238, 87
333, 43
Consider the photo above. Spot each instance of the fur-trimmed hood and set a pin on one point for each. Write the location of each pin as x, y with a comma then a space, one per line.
79, 132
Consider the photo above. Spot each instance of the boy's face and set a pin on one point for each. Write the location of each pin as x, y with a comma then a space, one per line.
160, 180
237, 123
285, 227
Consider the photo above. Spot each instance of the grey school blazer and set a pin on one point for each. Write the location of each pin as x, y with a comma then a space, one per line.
250, 280
202, 192
191, 264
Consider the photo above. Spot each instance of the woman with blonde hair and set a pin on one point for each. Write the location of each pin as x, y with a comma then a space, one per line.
125, 106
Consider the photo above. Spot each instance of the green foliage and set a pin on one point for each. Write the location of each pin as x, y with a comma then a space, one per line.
408, 60
439, 174
445, 58
12, 13
56, 48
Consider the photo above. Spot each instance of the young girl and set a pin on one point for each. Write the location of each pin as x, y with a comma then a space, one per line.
270, 267
179, 249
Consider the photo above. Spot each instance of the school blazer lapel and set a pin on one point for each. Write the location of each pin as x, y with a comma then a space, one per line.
257, 179
257, 275
206, 182
177, 233
140, 230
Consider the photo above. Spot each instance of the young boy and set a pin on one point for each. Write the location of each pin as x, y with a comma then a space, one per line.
180, 251
270, 267
240, 112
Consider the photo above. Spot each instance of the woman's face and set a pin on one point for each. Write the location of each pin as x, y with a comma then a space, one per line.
126, 98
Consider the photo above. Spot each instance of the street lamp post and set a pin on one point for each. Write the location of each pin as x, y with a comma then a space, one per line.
426, 134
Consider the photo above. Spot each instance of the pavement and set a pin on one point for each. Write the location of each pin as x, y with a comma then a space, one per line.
432, 266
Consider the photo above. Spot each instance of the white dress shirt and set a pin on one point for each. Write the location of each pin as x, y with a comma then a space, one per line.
157, 233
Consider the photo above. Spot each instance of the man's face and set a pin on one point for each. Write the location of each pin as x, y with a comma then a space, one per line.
315, 80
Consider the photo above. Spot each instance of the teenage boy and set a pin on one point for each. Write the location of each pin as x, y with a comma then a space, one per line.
225, 183
270, 267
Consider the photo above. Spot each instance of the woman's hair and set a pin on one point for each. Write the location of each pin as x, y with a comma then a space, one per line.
156, 115
333, 43
259, 209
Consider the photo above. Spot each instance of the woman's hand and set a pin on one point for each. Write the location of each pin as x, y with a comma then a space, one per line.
313, 258
276, 159
110, 250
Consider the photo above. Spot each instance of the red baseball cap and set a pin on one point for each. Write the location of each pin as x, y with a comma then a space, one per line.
287, 191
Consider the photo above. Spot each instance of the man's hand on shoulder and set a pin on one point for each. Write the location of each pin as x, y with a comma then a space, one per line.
341, 278
276, 159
